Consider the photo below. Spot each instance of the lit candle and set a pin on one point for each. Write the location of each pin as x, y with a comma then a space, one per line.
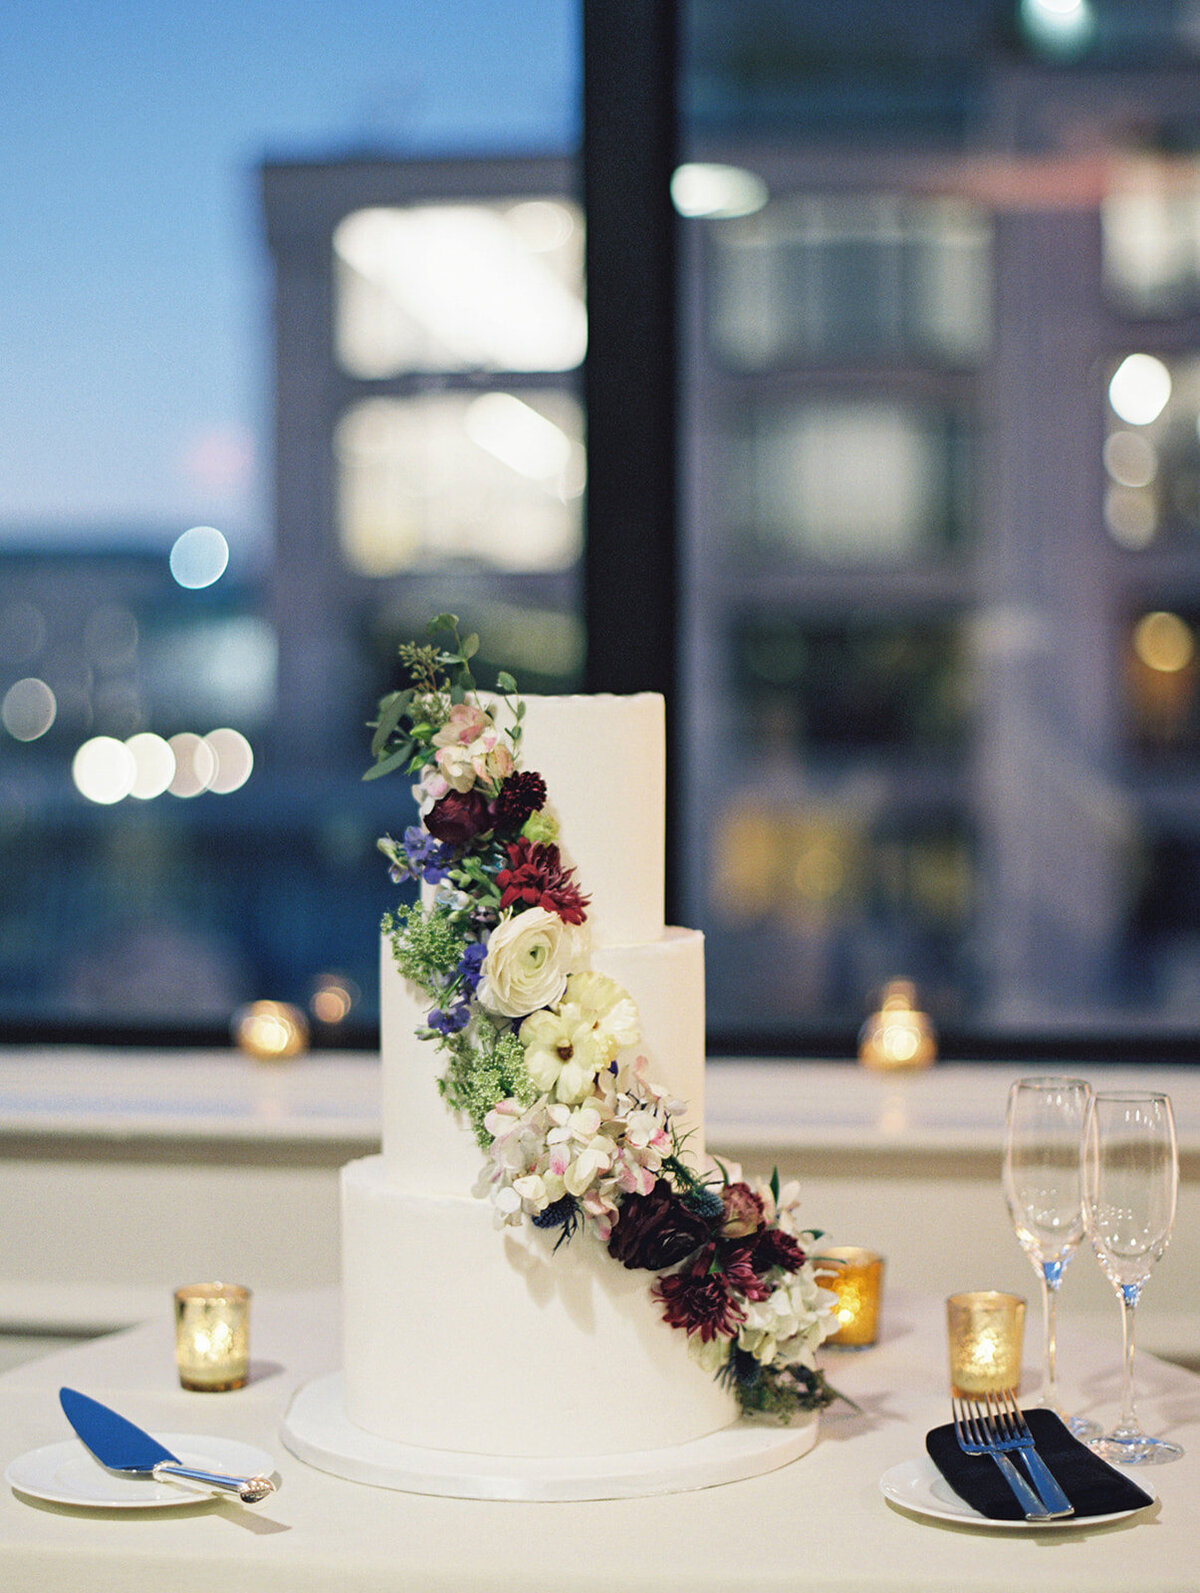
986, 1332
858, 1283
899, 1036
212, 1336
272, 1031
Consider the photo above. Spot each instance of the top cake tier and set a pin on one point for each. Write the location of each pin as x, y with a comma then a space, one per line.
603, 759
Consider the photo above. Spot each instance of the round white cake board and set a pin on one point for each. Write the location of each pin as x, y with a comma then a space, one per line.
317, 1430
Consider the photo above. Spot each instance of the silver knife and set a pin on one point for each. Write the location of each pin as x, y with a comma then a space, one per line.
120, 1446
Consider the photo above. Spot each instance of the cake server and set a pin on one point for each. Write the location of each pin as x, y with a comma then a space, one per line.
120, 1446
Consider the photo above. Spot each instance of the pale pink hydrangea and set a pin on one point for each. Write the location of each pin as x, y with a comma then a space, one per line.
596, 1151
471, 748
431, 787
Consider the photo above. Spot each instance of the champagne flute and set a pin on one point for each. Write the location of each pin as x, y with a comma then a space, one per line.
1130, 1183
1043, 1141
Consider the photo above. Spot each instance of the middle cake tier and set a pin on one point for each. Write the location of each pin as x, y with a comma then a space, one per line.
430, 1150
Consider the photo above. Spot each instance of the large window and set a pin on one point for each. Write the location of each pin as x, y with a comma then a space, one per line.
293, 364
940, 506
934, 612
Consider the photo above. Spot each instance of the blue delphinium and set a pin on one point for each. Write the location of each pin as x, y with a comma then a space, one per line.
471, 966
450, 1021
429, 858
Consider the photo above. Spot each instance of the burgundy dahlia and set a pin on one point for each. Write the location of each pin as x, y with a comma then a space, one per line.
521, 794
699, 1300
535, 877
656, 1230
458, 816
771, 1247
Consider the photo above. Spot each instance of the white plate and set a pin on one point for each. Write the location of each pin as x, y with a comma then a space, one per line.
918, 1486
67, 1473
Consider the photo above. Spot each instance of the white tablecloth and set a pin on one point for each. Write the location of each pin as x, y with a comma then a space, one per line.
820, 1525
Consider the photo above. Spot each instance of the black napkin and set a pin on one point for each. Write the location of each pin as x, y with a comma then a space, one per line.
1093, 1486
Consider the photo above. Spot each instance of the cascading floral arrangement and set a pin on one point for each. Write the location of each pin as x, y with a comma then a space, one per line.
538, 1046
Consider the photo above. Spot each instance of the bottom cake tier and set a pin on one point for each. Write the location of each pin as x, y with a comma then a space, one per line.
460, 1337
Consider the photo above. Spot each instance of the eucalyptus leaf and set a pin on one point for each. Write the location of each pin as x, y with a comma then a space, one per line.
394, 760
443, 622
391, 711
470, 647
505, 682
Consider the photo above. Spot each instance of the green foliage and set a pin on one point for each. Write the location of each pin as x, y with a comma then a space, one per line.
781, 1392
439, 676
427, 945
483, 1072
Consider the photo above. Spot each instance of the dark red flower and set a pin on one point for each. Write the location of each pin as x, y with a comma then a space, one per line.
743, 1210
458, 817
657, 1230
521, 794
535, 877
737, 1263
699, 1300
771, 1247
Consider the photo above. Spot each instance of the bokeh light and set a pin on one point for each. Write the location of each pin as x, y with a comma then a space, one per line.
1164, 642
704, 189
195, 764
333, 997
1130, 458
104, 770
1140, 389
154, 765
233, 760
29, 709
199, 557
1131, 517
1059, 27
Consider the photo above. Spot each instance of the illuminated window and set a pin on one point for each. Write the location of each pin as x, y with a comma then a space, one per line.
848, 481
1152, 450
880, 275
1151, 223
460, 287
492, 478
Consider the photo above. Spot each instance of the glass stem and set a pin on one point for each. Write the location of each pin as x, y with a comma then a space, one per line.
1128, 1424
1050, 1283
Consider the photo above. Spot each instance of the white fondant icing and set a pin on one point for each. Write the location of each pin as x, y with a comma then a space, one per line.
461, 1337
604, 763
318, 1431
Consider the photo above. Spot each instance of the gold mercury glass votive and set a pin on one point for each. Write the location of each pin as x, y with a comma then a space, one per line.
986, 1331
858, 1284
212, 1336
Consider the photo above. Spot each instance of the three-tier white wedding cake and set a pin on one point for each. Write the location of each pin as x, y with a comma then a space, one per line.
460, 1337
548, 1290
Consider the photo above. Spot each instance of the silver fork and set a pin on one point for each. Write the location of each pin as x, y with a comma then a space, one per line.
1009, 1421
973, 1440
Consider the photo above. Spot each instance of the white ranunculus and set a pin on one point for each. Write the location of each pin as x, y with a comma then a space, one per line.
529, 956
